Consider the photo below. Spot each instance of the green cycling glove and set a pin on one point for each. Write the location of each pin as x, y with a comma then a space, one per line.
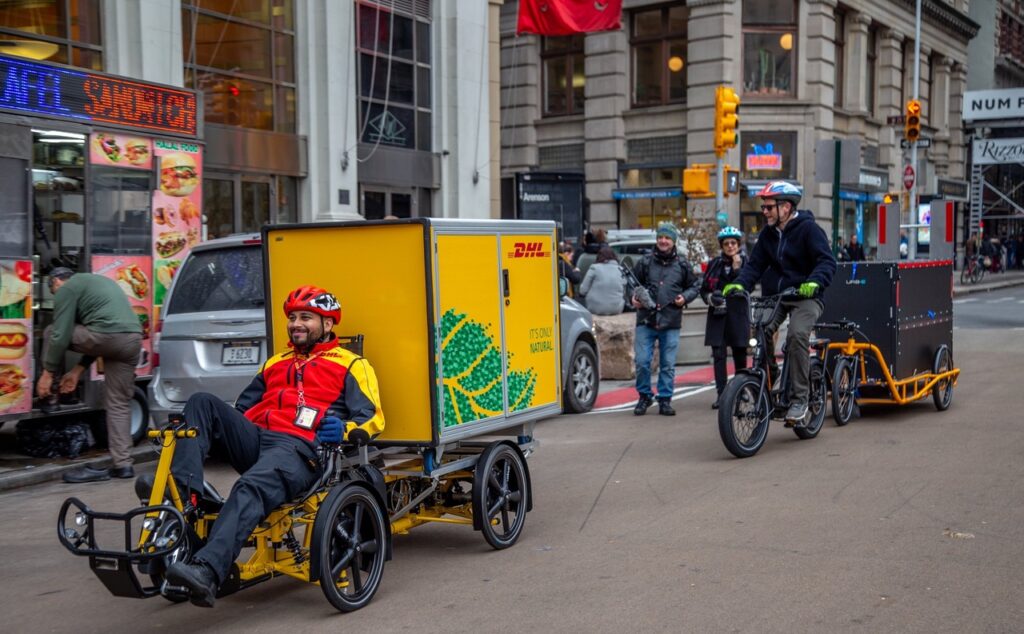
728, 288
808, 289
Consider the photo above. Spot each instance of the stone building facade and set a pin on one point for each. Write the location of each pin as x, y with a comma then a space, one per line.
641, 103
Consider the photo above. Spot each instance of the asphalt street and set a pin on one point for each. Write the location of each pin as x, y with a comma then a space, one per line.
906, 520
996, 309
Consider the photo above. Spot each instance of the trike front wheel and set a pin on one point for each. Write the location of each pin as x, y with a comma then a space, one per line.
743, 416
353, 547
844, 388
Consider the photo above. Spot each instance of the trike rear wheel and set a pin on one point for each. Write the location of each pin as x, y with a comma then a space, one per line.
353, 547
815, 402
500, 494
743, 416
942, 393
844, 389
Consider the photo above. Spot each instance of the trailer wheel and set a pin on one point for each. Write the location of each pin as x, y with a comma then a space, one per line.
353, 546
581, 386
942, 393
844, 391
500, 494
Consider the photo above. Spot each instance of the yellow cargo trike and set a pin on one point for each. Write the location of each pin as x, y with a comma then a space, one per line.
460, 321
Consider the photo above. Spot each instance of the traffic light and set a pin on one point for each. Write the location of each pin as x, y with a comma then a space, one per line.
912, 125
727, 104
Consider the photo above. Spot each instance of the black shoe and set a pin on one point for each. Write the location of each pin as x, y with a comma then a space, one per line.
198, 579
665, 408
86, 474
48, 405
642, 405
122, 472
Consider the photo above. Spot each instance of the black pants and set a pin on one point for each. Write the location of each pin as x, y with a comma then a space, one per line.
739, 357
275, 468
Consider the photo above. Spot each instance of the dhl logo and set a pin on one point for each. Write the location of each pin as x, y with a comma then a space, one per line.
14, 340
529, 250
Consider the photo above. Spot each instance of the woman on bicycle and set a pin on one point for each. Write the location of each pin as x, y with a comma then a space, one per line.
728, 324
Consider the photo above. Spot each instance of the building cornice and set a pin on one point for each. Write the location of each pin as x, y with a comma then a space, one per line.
940, 14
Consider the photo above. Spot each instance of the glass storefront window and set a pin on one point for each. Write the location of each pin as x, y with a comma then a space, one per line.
394, 78
120, 221
239, 203
255, 205
62, 31
241, 55
219, 207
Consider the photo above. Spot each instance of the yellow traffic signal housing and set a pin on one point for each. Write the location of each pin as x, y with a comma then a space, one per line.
912, 125
727, 104
696, 181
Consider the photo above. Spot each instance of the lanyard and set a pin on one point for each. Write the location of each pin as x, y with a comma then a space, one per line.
299, 368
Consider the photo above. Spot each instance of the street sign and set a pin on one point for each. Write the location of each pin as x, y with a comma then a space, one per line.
896, 119
921, 142
908, 176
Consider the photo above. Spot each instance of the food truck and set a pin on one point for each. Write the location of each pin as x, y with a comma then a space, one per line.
100, 174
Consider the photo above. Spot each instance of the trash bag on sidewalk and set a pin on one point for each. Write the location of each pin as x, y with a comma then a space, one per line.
48, 439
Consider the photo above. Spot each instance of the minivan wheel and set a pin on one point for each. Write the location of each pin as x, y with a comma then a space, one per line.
581, 386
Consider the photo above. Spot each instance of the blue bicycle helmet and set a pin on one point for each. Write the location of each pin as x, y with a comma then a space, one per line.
730, 232
782, 190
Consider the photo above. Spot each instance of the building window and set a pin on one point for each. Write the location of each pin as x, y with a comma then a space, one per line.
562, 60
872, 63
241, 55
840, 57
62, 31
927, 79
769, 48
394, 77
658, 43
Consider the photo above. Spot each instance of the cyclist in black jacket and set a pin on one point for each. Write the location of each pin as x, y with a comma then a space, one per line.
791, 252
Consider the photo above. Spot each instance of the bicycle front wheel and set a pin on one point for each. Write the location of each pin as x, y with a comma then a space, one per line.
743, 416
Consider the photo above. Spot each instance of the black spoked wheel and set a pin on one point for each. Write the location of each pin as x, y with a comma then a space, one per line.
353, 548
581, 388
979, 273
844, 391
942, 393
743, 416
500, 495
815, 402
171, 532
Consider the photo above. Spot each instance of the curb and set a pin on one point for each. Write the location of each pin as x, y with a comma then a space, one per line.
984, 288
17, 478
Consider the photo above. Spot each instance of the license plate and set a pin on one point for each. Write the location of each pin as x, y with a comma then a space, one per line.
247, 353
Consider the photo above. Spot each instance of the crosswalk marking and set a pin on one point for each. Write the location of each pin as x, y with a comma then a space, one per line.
965, 300
1000, 300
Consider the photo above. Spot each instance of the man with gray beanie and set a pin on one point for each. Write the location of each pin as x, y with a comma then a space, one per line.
92, 316
671, 284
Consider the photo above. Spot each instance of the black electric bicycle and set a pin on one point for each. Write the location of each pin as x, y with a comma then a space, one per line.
754, 397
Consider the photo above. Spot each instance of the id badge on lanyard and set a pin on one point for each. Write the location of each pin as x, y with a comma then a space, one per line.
305, 416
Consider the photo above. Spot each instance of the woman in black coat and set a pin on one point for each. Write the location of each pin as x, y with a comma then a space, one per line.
728, 324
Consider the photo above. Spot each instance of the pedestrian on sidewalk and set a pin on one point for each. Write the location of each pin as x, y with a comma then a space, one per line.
854, 251
671, 283
728, 323
92, 316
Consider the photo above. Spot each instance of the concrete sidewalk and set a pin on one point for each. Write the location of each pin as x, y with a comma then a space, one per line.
992, 282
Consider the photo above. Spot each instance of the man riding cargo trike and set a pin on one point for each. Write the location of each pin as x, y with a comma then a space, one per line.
463, 341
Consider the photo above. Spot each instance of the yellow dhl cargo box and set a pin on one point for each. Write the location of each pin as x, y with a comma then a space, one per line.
459, 317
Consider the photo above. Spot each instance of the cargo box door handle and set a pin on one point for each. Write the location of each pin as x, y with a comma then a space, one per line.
505, 290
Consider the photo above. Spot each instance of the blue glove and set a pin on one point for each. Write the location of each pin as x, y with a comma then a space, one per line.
808, 289
329, 430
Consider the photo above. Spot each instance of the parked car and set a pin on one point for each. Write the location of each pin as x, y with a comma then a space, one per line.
632, 244
212, 333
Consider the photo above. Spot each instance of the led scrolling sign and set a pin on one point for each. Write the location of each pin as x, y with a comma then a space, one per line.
61, 92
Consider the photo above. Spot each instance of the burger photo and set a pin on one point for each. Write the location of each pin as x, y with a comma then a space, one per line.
137, 151
169, 243
13, 340
179, 175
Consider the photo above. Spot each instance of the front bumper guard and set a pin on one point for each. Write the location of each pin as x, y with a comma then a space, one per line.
117, 568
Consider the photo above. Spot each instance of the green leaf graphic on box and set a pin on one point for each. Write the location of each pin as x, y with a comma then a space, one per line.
472, 372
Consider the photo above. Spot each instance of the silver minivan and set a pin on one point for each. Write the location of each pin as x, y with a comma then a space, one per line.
212, 333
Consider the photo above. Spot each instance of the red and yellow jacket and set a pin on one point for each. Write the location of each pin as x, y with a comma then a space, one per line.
335, 381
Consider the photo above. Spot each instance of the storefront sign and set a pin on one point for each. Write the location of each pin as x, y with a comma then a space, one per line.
121, 151
552, 196
15, 336
133, 274
993, 104
993, 151
55, 91
873, 180
635, 194
177, 210
764, 158
953, 189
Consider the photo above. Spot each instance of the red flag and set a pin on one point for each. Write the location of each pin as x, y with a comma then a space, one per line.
566, 17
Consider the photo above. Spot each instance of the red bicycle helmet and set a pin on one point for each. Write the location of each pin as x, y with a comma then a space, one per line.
315, 300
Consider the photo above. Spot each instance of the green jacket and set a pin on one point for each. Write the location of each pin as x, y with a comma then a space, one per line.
93, 301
